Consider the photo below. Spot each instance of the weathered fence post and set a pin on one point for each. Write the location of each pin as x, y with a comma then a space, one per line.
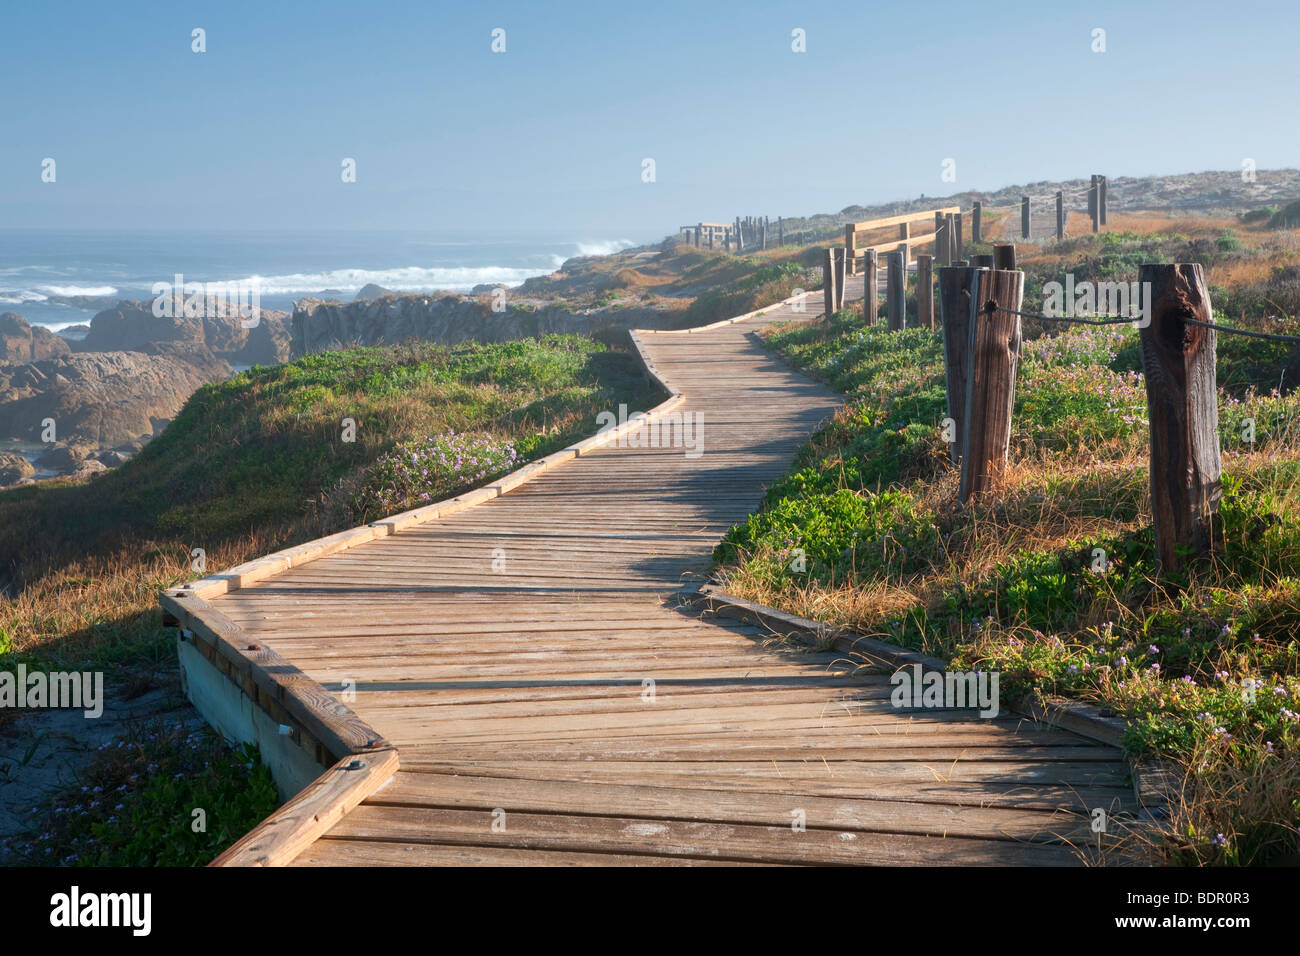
1094, 204
851, 247
828, 280
740, 240
841, 277
1004, 256
726, 239
991, 383
950, 235
956, 236
1102, 186
1024, 217
896, 291
983, 261
1178, 362
954, 317
976, 215
762, 234
780, 230
925, 291
1060, 215
871, 300
941, 239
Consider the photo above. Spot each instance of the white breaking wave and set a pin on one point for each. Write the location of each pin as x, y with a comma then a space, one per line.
21, 295
79, 289
409, 279
606, 248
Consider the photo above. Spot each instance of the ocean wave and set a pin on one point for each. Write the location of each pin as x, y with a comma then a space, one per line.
605, 248
409, 279
21, 295
79, 289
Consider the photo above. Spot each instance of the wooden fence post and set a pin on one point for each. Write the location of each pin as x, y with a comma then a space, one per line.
950, 235
726, 239
896, 291
983, 262
1102, 187
956, 236
941, 239
780, 231
1094, 204
762, 234
925, 291
871, 299
1024, 217
954, 317
828, 280
1004, 256
841, 264
1060, 215
976, 215
1178, 362
991, 383
740, 240
851, 247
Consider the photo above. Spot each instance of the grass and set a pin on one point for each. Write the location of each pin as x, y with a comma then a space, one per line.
1053, 580
270, 458
161, 797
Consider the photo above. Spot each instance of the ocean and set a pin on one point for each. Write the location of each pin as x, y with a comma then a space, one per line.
36, 267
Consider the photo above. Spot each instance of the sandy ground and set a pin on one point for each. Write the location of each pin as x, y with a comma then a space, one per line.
42, 752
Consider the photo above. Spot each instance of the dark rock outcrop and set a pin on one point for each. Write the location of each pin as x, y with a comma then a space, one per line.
448, 319
132, 325
103, 399
371, 291
22, 342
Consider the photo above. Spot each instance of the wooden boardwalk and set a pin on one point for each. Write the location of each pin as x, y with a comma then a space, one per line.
561, 708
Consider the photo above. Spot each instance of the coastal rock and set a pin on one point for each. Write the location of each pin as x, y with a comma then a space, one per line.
371, 291
62, 457
89, 468
112, 458
130, 326
14, 468
22, 342
103, 399
448, 319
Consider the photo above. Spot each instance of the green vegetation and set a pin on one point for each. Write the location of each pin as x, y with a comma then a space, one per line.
164, 798
1053, 581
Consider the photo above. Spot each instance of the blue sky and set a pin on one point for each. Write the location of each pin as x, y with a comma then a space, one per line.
549, 137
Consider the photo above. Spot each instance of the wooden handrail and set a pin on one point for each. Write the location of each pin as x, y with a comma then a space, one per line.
899, 220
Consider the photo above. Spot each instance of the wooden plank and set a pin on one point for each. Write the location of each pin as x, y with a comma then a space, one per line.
906, 217
673, 838
888, 816
282, 836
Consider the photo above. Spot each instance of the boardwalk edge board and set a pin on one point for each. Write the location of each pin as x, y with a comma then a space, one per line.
217, 663
278, 839
1153, 783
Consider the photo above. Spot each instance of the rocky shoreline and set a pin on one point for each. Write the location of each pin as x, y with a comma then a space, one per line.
93, 402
